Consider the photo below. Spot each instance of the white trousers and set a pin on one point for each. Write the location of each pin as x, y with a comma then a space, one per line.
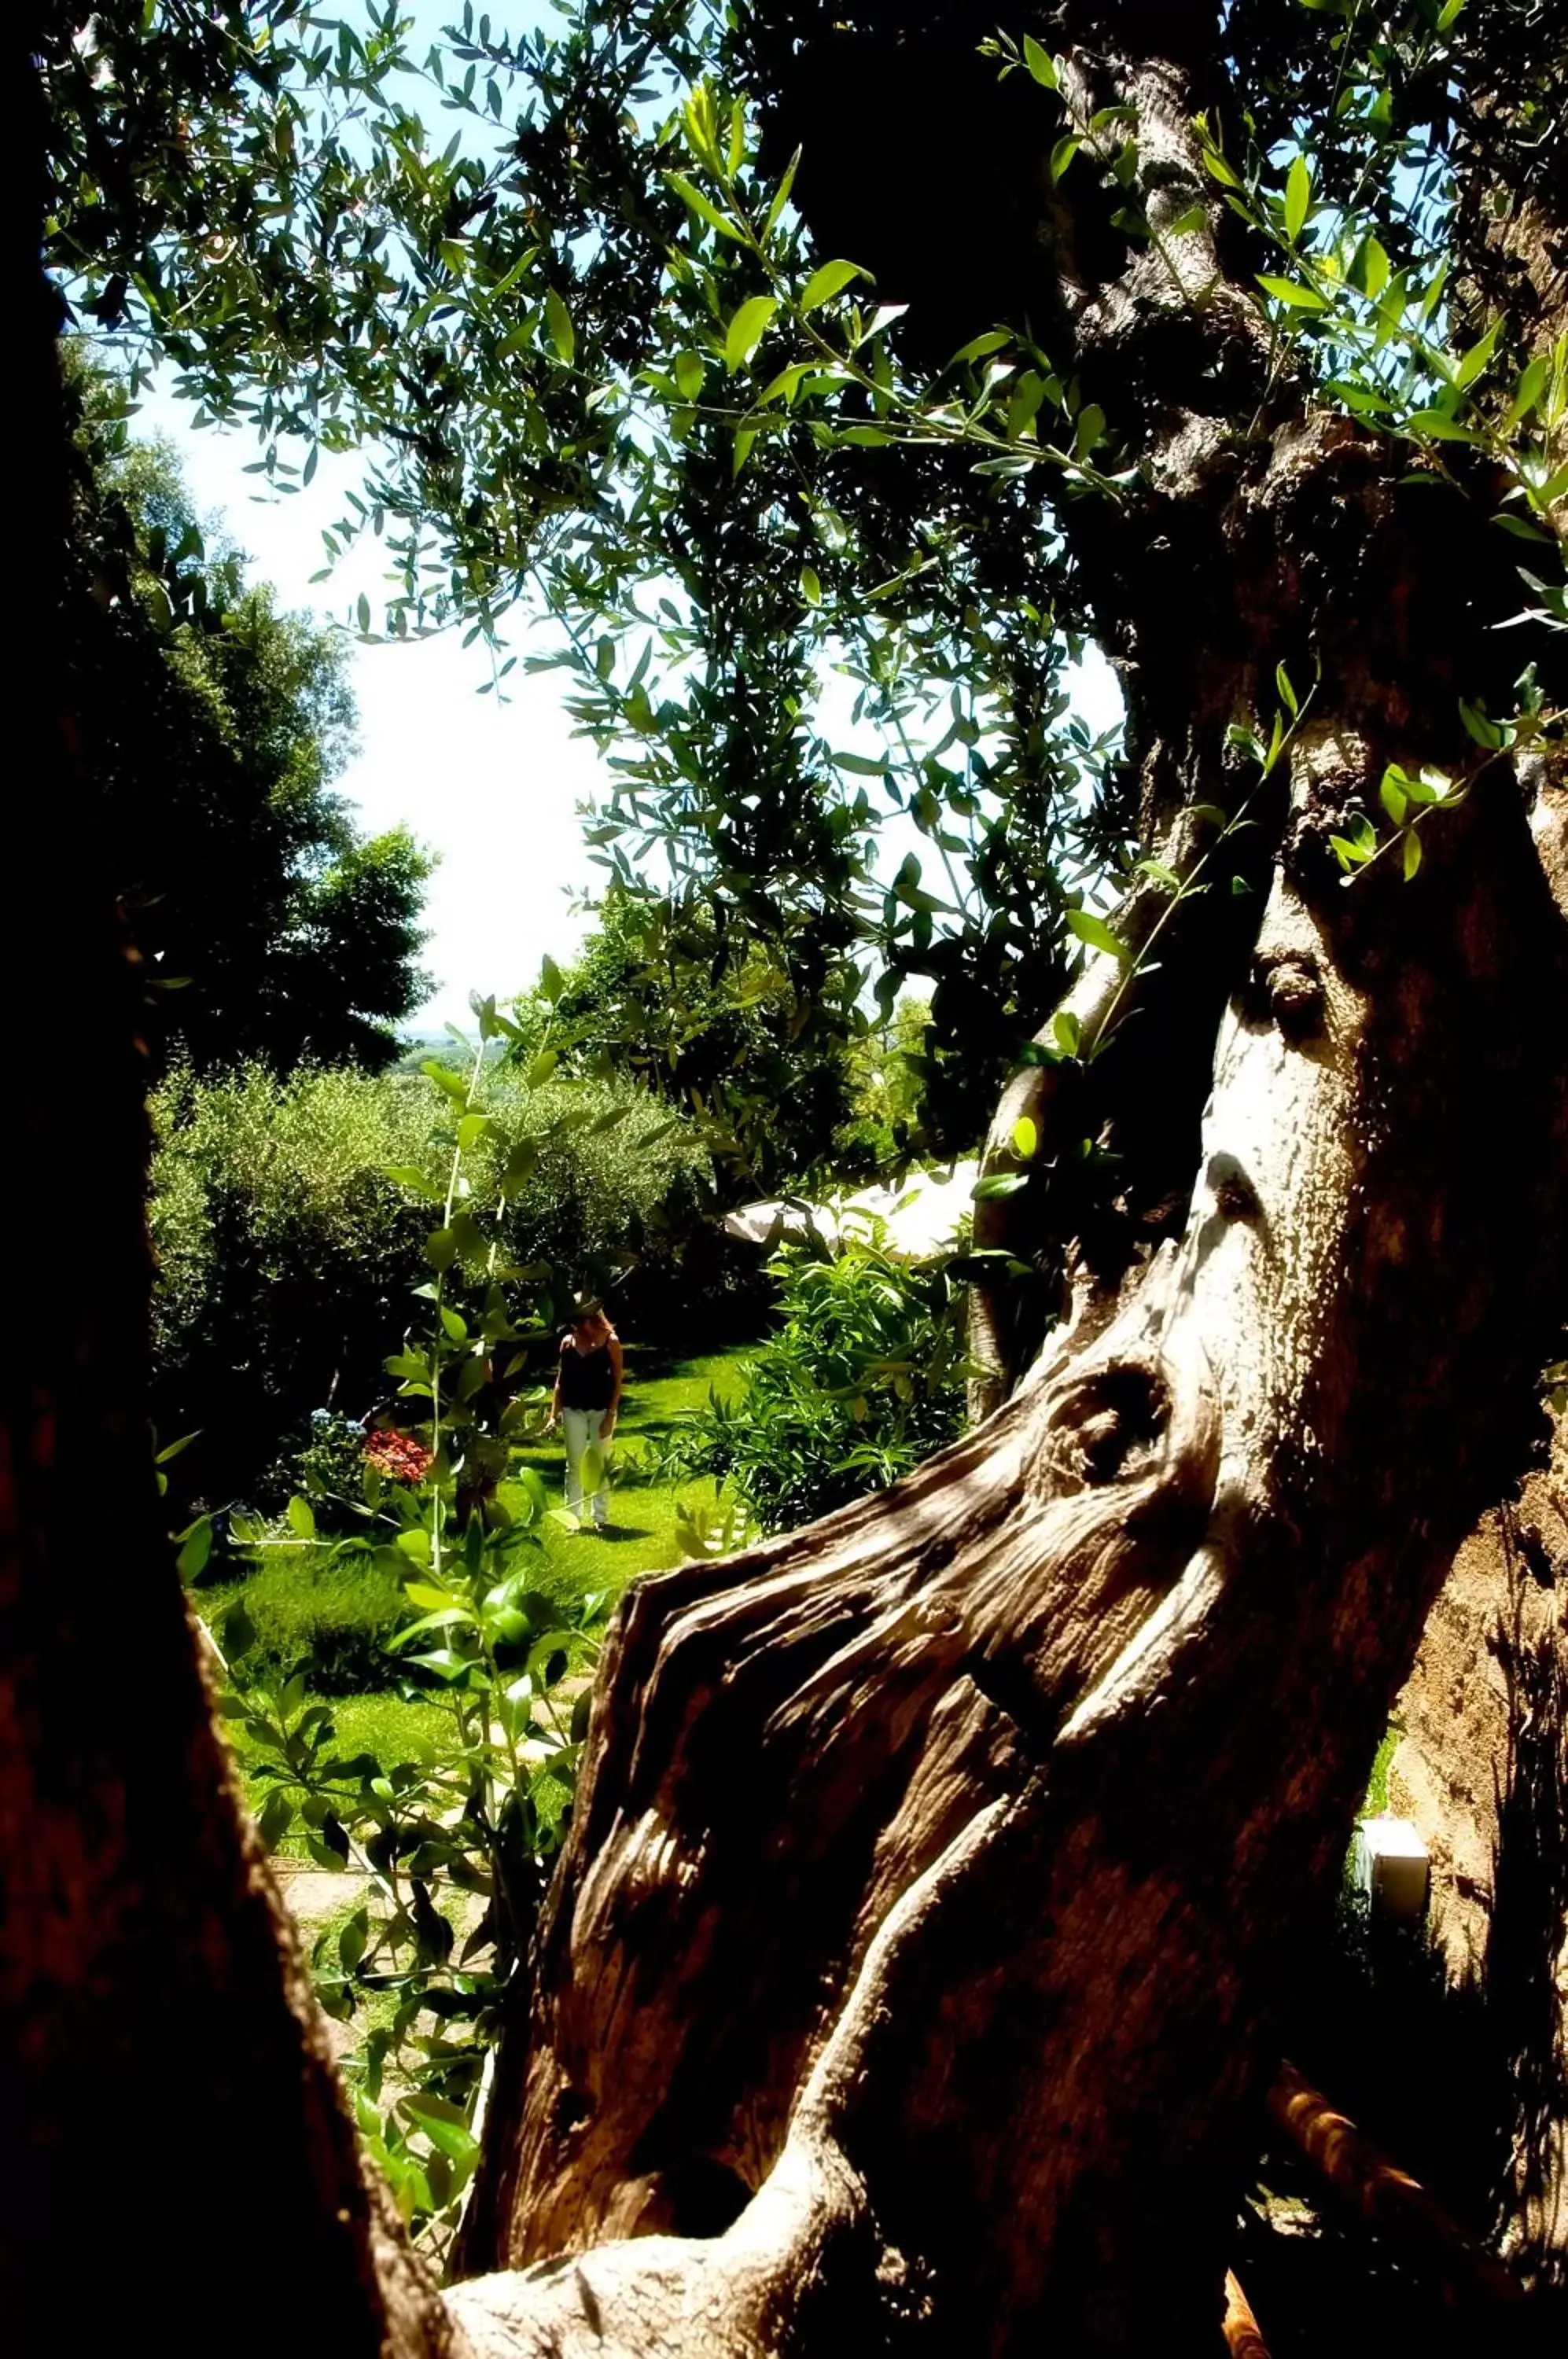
583, 1428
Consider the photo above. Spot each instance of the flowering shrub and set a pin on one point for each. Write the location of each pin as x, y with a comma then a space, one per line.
328, 1464
398, 1456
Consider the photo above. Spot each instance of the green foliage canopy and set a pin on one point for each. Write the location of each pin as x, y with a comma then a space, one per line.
597, 366
534, 335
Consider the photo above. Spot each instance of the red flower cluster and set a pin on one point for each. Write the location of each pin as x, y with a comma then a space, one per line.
398, 1455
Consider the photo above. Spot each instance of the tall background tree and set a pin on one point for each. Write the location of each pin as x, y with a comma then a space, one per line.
1056, 1744
213, 727
707, 1015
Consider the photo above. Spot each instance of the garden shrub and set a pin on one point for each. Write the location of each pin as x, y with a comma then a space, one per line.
864, 1378
329, 1468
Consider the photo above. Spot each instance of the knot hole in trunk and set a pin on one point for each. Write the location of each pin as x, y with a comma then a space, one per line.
1108, 1427
1286, 989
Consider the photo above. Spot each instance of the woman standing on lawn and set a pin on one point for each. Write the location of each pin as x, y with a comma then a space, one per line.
588, 1380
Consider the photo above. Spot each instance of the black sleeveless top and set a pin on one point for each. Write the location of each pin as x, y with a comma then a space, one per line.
587, 1378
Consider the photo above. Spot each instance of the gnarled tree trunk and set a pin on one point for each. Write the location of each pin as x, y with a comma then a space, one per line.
168, 2110
936, 1872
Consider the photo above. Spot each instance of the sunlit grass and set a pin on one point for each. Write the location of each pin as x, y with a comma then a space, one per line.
643, 1509
300, 1603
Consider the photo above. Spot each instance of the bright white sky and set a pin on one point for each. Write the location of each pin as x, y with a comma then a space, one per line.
494, 789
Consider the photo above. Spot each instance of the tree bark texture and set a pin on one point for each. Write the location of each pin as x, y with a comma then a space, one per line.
937, 1872
1482, 1770
171, 2119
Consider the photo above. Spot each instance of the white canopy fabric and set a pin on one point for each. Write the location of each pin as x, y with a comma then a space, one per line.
919, 1220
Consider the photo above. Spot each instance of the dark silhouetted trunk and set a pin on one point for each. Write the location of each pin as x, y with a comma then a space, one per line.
171, 2120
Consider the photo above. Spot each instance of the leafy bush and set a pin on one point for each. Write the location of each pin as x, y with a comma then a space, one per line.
329, 1466
863, 1379
750, 1027
885, 1068
444, 1567
287, 1253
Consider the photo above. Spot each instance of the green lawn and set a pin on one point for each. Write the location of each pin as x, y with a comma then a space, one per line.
642, 1535
1377, 1796
342, 1614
